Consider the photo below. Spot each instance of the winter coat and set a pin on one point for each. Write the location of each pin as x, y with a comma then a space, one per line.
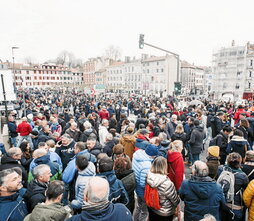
117, 192
222, 142
216, 125
248, 198
129, 183
168, 196
141, 164
201, 195
176, 168
35, 193
104, 114
108, 147
196, 140
170, 129
141, 142
8, 162
42, 212
84, 136
71, 170
13, 206
237, 115
82, 179
96, 150
112, 212
24, 128
248, 169
213, 164
103, 132
182, 137
66, 153
128, 141
163, 148
54, 168
247, 133
239, 145
12, 128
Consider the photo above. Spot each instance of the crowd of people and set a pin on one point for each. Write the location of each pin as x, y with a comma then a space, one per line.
74, 157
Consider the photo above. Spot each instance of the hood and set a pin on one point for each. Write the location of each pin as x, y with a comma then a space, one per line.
129, 138
110, 175
7, 159
43, 160
97, 213
89, 171
173, 156
155, 180
237, 138
199, 128
141, 137
202, 187
141, 156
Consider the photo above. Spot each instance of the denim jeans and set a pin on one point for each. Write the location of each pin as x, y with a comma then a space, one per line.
14, 141
141, 212
195, 157
238, 215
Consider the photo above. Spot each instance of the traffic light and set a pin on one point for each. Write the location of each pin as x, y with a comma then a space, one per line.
178, 87
141, 41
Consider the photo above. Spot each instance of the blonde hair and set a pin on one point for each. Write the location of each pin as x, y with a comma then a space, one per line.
179, 129
176, 145
159, 166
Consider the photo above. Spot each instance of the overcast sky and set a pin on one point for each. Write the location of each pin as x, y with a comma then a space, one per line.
192, 28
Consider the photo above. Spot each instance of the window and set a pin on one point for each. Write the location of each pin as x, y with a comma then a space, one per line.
249, 85
238, 73
251, 63
237, 86
162, 70
250, 73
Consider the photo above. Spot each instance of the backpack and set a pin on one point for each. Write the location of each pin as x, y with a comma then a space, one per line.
227, 182
213, 142
151, 197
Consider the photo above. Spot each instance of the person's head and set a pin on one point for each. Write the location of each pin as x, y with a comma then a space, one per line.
176, 146
238, 132
73, 126
105, 164
159, 166
152, 150
196, 123
46, 128
81, 162
87, 125
200, 169
179, 129
121, 165
162, 136
220, 115
118, 150
174, 118
141, 126
34, 134
242, 116
100, 156
249, 157
55, 191
244, 123
51, 143
190, 120
66, 139
109, 137
90, 143
10, 181
25, 147
104, 123
11, 118
24, 119
43, 145
96, 191
144, 132
208, 217
42, 173
214, 151
79, 146
227, 130
15, 153
234, 160
40, 152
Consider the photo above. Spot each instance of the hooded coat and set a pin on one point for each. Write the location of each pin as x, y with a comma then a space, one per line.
239, 145
196, 140
201, 195
128, 141
141, 142
168, 196
176, 168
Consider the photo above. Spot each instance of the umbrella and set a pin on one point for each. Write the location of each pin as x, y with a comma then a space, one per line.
196, 103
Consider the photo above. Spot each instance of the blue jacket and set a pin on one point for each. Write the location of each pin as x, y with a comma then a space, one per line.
141, 164
71, 170
13, 207
141, 144
113, 212
117, 193
201, 195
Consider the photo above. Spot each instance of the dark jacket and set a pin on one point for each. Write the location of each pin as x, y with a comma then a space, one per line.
222, 142
213, 164
117, 193
12, 128
170, 129
248, 170
141, 142
96, 150
196, 140
108, 147
112, 212
7, 162
201, 195
238, 145
35, 194
216, 125
13, 207
129, 183
177, 136
84, 136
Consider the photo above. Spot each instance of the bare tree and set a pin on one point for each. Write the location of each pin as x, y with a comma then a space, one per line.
113, 52
29, 60
65, 58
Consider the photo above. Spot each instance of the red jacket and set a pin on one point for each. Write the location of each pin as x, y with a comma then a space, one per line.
104, 114
24, 128
237, 115
175, 168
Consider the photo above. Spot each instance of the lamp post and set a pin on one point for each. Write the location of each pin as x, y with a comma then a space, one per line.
13, 68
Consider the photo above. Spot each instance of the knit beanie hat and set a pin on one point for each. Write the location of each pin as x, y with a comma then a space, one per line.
214, 151
151, 150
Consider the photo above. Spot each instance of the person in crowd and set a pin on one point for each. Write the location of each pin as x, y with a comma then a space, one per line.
93, 146
112, 122
208, 217
24, 129
128, 140
86, 170
109, 144
240, 110
163, 145
35, 138
26, 157
12, 159
12, 205
241, 181
201, 194
117, 193
142, 140
55, 126
238, 144
217, 124
118, 151
124, 172
104, 114
36, 189
213, 160
52, 209
52, 146
103, 131
65, 149
73, 131
188, 126
168, 197
12, 126
171, 126
98, 207
248, 198
246, 129
88, 130
141, 164
196, 141
248, 166
179, 134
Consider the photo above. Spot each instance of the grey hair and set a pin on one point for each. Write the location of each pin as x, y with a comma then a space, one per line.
39, 170
200, 169
176, 145
104, 121
13, 151
6, 172
162, 136
109, 136
208, 217
87, 125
